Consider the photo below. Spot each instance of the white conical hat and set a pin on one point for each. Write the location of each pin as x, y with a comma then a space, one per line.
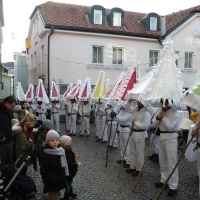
73, 94
127, 83
191, 97
165, 83
69, 88
29, 94
20, 93
54, 93
85, 93
100, 88
139, 90
111, 92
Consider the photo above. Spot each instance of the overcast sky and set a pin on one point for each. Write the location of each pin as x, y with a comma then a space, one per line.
17, 13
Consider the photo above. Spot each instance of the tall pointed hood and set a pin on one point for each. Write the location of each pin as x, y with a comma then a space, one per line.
85, 93
20, 93
127, 83
111, 92
100, 88
139, 90
29, 94
41, 93
69, 88
165, 83
74, 93
54, 93
191, 97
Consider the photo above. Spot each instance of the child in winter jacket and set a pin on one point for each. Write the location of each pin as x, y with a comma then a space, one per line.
53, 164
66, 143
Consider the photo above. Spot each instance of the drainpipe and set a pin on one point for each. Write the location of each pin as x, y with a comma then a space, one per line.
48, 58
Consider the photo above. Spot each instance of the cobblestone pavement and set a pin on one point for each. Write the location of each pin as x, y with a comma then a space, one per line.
94, 181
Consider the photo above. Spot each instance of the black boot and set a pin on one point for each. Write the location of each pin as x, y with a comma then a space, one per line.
152, 156
73, 195
66, 196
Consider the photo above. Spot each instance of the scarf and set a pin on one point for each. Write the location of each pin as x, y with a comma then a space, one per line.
33, 153
165, 109
59, 152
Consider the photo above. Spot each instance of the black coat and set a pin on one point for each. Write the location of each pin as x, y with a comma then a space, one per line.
52, 173
72, 165
5, 124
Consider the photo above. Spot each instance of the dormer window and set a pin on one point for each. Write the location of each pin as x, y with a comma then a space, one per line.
153, 23
116, 19
97, 16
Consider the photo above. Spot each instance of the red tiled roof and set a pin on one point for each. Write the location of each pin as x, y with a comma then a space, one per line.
71, 15
176, 17
65, 14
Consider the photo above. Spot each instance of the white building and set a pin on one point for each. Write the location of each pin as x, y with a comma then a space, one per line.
20, 70
70, 42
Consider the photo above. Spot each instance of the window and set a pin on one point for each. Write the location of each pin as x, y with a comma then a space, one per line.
177, 61
97, 17
35, 26
153, 23
32, 63
42, 60
117, 55
188, 60
63, 89
117, 19
97, 54
198, 27
153, 58
34, 60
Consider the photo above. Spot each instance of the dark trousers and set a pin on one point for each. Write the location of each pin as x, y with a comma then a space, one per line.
6, 153
183, 138
69, 185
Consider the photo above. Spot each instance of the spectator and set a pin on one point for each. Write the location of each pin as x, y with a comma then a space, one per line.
6, 115
66, 143
23, 111
54, 167
193, 116
25, 141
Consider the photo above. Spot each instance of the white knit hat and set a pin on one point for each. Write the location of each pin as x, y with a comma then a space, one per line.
65, 141
14, 121
52, 134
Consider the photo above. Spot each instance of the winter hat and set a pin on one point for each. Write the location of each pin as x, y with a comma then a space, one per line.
46, 124
65, 141
14, 121
52, 134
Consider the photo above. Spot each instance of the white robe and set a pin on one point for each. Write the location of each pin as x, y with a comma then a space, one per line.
137, 140
167, 145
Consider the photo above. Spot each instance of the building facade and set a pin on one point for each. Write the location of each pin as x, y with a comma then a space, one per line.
70, 42
20, 70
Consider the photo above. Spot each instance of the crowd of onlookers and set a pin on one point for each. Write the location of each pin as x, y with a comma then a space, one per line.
56, 159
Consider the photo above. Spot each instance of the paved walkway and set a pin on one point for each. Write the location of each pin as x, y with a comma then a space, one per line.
94, 181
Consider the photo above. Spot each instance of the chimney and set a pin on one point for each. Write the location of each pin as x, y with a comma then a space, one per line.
163, 25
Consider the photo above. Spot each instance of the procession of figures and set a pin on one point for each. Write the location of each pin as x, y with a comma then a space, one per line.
124, 113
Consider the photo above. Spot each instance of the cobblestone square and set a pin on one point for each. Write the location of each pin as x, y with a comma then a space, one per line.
96, 182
